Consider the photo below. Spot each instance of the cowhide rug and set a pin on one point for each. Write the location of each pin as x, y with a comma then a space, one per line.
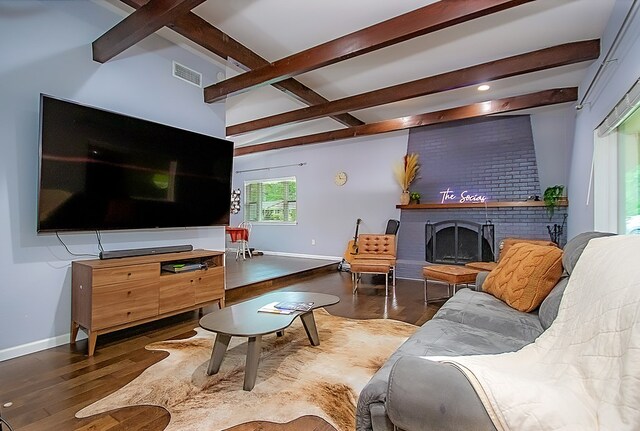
294, 378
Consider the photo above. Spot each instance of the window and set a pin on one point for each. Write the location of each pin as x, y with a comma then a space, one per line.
271, 201
617, 168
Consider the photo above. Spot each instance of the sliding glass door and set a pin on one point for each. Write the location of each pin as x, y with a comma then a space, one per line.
629, 174
616, 167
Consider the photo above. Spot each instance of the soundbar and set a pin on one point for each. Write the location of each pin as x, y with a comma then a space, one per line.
144, 251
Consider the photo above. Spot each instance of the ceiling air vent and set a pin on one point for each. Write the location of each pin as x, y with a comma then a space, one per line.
186, 74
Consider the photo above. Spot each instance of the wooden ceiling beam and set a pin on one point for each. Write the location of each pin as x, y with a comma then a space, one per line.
547, 58
216, 41
427, 19
482, 109
145, 21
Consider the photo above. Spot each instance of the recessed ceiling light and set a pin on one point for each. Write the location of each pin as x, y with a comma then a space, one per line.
483, 87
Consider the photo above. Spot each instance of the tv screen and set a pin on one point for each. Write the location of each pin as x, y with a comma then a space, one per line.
101, 170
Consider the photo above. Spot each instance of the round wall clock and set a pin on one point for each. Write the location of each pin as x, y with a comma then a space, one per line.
340, 178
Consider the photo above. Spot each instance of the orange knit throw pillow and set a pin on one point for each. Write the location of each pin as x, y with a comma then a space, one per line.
525, 275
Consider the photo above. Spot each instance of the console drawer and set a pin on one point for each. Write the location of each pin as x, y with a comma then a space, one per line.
120, 274
123, 303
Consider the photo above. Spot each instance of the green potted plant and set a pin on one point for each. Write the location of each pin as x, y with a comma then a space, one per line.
551, 197
415, 197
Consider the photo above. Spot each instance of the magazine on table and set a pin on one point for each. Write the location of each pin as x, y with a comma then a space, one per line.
271, 308
296, 306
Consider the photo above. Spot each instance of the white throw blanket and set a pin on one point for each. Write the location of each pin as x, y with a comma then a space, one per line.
583, 373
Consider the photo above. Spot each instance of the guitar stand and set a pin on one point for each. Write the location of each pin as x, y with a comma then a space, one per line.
341, 266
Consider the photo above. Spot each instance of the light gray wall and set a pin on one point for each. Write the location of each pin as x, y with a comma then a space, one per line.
617, 79
327, 213
46, 48
553, 131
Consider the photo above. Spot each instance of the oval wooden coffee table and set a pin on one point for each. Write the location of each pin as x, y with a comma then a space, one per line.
244, 320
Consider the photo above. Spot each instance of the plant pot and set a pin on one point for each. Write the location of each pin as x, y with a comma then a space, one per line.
415, 201
404, 198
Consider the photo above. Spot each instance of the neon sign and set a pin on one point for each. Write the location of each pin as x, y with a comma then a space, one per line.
464, 197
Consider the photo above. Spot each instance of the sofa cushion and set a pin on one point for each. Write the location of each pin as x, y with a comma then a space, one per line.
454, 405
549, 307
525, 275
574, 248
572, 251
486, 312
438, 337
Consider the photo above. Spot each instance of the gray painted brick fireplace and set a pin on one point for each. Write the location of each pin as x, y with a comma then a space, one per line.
492, 157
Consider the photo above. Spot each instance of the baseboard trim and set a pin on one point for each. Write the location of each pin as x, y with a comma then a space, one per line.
304, 256
36, 346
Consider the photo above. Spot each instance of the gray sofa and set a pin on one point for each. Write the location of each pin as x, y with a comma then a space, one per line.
410, 393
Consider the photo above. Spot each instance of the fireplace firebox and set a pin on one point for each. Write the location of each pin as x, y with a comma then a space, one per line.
458, 242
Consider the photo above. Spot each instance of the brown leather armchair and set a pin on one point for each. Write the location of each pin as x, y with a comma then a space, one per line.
376, 255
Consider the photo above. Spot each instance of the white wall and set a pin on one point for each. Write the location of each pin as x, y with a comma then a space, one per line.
618, 77
46, 48
327, 213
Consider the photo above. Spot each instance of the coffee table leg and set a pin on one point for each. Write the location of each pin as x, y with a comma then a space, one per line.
217, 354
310, 326
251, 366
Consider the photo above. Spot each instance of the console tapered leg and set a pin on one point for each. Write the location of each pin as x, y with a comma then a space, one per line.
93, 339
74, 332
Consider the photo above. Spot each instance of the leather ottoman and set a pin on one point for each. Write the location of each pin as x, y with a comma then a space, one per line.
450, 274
370, 266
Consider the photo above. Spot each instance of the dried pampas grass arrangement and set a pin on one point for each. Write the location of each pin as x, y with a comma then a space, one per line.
406, 171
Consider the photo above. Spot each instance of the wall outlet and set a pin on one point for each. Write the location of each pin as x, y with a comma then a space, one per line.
313, 242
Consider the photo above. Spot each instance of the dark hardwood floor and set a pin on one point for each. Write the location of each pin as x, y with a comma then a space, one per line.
47, 388
267, 268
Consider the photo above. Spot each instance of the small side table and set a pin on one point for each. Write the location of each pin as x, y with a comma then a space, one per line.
451, 274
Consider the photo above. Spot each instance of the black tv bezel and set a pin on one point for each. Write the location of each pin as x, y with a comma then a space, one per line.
39, 230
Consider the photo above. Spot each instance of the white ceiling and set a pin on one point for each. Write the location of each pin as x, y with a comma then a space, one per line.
278, 28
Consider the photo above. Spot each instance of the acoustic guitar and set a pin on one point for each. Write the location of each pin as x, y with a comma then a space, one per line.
352, 246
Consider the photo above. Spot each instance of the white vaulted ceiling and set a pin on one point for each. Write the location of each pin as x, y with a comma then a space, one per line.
278, 28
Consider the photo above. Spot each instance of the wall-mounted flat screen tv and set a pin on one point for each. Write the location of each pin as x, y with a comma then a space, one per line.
101, 170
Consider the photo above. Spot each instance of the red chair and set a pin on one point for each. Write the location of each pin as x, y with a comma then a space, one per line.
240, 235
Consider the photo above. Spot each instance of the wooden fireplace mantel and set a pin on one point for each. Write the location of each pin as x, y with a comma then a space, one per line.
504, 204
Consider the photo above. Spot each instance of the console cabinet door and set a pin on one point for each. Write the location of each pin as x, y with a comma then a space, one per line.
178, 291
121, 303
210, 285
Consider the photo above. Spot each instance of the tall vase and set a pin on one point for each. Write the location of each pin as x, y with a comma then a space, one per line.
404, 198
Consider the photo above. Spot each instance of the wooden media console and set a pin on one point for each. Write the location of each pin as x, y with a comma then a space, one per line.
109, 295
